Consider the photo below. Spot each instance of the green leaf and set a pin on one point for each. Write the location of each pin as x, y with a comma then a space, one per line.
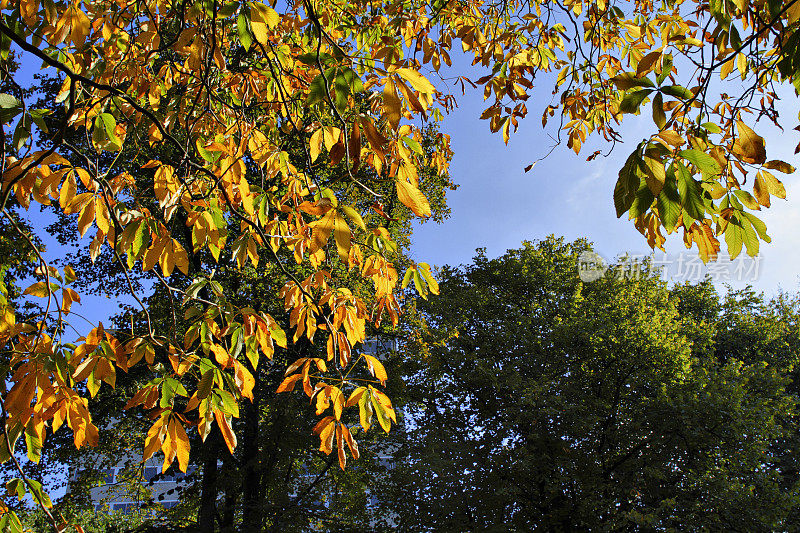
383, 417
677, 91
689, 189
669, 202
412, 144
38, 118
643, 201
659, 117
16, 487
747, 199
666, 68
340, 93
228, 402
316, 91
278, 335
170, 388
759, 226
704, 162
227, 10
627, 184
39, 494
632, 100
33, 444
243, 29
419, 285
237, 341
138, 243
407, 277
629, 81
110, 125
205, 384
734, 238
353, 80
10, 107
22, 132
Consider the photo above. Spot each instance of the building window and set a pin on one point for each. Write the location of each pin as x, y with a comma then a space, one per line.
150, 472
109, 475
153, 474
124, 507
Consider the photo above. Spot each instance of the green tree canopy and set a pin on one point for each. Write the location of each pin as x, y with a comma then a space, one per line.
546, 403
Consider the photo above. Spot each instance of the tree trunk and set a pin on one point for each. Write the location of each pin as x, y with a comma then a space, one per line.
208, 488
251, 465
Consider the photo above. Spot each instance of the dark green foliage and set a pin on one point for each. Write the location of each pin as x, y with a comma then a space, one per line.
620, 404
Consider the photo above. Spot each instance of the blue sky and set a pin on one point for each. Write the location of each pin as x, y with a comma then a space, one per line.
498, 205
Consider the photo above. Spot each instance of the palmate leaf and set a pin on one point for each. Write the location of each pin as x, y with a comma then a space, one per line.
632, 100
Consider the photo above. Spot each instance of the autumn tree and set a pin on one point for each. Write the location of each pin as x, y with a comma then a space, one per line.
274, 478
227, 89
619, 404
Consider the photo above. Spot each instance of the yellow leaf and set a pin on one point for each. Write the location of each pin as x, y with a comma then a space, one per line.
741, 64
155, 436
315, 144
374, 137
164, 184
376, 368
411, 197
244, 380
341, 234
348, 437
777, 164
101, 215
322, 230
749, 145
392, 108
433, 285
152, 255
37, 289
221, 355
417, 80
765, 185
338, 402
354, 215
86, 218
726, 68
793, 12
182, 446
262, 18
79, 24
68, 190
326, 438
654, 174
340, 446
355, 396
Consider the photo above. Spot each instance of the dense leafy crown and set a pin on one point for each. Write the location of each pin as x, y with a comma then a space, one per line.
221, 92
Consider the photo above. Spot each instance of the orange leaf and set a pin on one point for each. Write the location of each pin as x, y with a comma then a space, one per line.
287, 385
225, 427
